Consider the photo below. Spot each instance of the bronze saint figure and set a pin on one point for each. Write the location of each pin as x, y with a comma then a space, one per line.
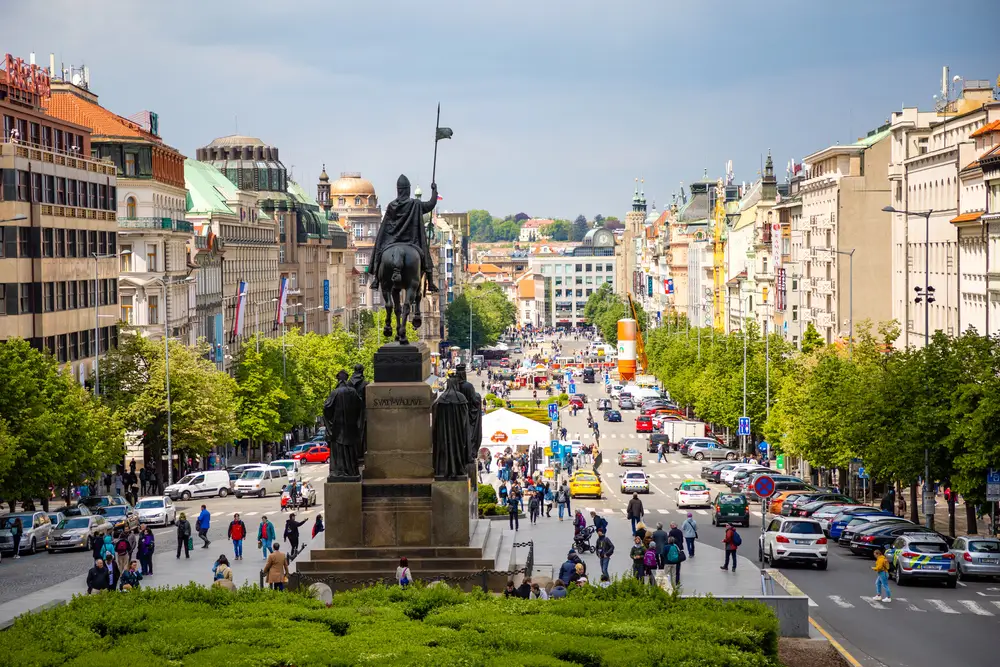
343, 413
450, 414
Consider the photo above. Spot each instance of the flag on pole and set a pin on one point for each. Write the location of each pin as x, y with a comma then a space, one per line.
443, 133
279, 315
440, 197
241, 306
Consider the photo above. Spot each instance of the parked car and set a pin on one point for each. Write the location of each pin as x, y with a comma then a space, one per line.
727, 476
121, 517
78, 532
782, 488
612, 416
859, 523
789, 501
643, 424
919, 555
36, 528
235, 472
825, 515
293, 466
736, 484
880, 536
693, 493
710, 449
201, 484
714, 475
576, 402
794, 540
841, 520
75, 510
730, 508
625, 403
807, 504
603, 404
156, 510
301, 447
630, 457
55, 517
93, 502
317, 454
977, 556
709, 468
584, 483
635, 481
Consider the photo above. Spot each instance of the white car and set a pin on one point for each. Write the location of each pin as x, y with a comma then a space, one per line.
793, 539
635, 481
727, 475
693, 493
293, 466
156, 510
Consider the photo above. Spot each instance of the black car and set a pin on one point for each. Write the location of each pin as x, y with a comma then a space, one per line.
881, 536
93, 503
654, 442
786, 507
707, 469
123, 517
804, 507
612, 416
739, 479
75, 510
714, 474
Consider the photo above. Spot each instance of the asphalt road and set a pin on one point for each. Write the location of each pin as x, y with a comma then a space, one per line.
925, 625
30, 573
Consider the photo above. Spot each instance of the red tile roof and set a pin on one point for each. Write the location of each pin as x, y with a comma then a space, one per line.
972, 216
986, 129
75, 109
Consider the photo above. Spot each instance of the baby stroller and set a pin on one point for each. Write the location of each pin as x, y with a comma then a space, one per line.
581, 541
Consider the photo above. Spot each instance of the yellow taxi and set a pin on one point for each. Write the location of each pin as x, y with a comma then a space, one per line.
584, 483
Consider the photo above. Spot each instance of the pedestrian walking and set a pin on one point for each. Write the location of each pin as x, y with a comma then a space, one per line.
143, 481
881, 568
660, 540
513, 501
118, 484
183, 535
403, 575
901, 506
276, 568
145, 549
659, 452
97, 577
634, 511
673, 558
265, 536
605, 548
201, 525
690, 531
318, 526
533, 506
237, 533
562, 499
121, 552
731, 541
677, 534
130, 577
291, 534
17, 532
637, 553
549, 500
114, 574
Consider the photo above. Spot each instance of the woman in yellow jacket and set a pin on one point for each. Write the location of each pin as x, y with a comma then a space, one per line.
881, 568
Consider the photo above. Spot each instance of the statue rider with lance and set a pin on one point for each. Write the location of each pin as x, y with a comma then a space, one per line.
404, 223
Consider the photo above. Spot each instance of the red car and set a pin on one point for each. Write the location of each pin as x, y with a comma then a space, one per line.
575, 402
317, 454
644, 424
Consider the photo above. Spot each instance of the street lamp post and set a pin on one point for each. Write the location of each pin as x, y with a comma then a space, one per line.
927, 297
850, 254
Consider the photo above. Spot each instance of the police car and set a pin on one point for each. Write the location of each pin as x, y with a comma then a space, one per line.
919, 555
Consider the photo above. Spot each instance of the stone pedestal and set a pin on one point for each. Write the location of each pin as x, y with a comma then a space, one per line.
452, 521
342, 508
398, 431
402, 363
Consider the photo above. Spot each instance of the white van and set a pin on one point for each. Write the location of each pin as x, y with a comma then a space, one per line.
200, 484
293, 466
261, 481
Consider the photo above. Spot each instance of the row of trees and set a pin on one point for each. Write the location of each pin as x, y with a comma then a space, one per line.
483, 227
53, 431
603, 310
831, 405
492, 313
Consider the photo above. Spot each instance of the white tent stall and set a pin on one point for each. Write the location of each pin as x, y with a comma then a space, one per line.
504, 430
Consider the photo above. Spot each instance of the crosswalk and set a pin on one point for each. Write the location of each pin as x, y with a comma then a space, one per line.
975, 607
609, 511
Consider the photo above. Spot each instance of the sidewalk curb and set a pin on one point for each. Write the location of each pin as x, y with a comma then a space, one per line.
52, 604
837, 645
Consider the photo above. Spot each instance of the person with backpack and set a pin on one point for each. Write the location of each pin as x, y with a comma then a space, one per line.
672, 558
650, 560
502, 493
121, 551
605, 549
107, 548
562, 500
659, 537
318, 526
201, 525
237, 532
533, 506
403, 575
732, 541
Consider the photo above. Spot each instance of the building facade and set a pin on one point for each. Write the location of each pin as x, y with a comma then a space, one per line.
576, 276
58, 230
354, 200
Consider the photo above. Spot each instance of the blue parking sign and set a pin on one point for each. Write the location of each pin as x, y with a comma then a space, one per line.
553, 411
554, 445
744, 426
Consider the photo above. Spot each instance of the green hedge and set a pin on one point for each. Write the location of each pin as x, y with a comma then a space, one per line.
626, 624
492, 509
487, 494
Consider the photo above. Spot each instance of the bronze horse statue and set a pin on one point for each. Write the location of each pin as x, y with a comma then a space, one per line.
400, 279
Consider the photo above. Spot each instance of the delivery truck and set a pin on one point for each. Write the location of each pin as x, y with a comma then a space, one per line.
676, 431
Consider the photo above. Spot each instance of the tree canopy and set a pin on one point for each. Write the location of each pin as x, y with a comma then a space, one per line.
603, 310
492, 314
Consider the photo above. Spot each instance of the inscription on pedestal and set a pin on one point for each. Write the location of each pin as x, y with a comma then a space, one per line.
399, 431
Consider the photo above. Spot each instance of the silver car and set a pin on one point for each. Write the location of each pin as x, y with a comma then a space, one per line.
156, 510
78, 532
630, 457
36, 527
977, 556
709, 449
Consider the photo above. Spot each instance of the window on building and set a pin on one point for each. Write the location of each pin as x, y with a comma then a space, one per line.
579, 292
24, 296
71, 295
357, 201
47, 243
105, 292
153, 309
91, 243
125, 258
590, 291
48, 297
49, 189
130, 208
60, 243
608, 279
102, 243
579, 267
609, 268
795, 283
151, 258
579, 280
131, 160
127, 309
340, 201
61, 348
795, 313
74, 346
60, 296
764, 264
558, 292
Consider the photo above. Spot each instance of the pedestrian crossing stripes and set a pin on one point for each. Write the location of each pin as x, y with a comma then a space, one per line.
251, 514
963, 606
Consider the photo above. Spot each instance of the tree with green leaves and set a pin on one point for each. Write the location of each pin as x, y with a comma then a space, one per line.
492, 314
580, 228
811, 340
603, 310
557, 230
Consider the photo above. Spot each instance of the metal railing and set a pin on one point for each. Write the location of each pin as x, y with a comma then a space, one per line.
166, 224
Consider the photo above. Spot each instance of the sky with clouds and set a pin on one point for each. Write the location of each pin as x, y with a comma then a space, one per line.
557, 105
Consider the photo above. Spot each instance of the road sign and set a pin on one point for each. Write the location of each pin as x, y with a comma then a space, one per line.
744, 426
993, 476
553, 411
572, 387
763, 486
862, 474
556, 449
763, 447
993, 486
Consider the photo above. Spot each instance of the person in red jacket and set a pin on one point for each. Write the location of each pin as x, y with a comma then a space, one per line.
237, 532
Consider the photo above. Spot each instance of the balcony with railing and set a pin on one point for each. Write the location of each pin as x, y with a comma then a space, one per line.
824, 287
49, 154
159, 224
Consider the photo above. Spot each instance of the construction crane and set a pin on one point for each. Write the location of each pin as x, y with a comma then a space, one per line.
719, 257
640, 347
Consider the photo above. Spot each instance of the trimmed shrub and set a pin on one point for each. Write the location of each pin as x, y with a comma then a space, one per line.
626, 624
487, 494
